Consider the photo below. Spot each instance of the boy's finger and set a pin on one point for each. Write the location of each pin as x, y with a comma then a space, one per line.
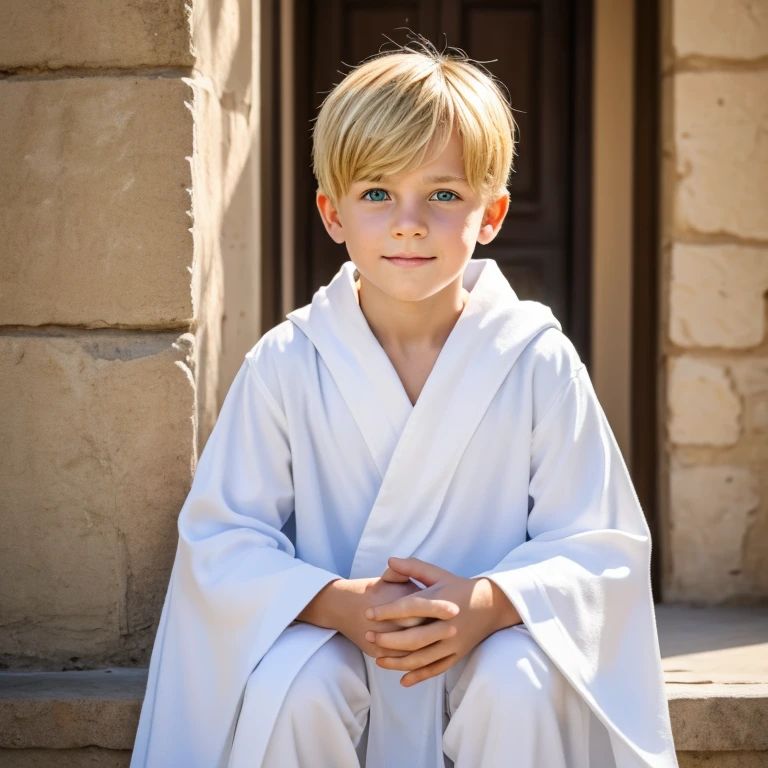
414, 621
413, 605
378, 653
431, 670
414, 660
413, 639
390, 575
427, 573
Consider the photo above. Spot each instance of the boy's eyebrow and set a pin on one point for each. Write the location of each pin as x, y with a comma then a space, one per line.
443, 179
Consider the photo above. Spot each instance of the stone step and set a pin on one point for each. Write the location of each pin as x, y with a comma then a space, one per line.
715, 663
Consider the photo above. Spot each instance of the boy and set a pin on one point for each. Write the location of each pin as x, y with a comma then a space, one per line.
469, 582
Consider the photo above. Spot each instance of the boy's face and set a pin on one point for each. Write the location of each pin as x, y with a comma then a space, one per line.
425, 212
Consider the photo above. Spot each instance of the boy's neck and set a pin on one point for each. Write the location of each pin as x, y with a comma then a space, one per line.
412, 325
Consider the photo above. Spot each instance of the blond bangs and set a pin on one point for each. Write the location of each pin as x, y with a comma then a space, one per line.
390, 111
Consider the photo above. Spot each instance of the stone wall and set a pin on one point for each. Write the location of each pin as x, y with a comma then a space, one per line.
123, 131
715, 278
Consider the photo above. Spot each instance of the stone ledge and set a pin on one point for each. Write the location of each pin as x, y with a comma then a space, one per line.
719, 717
67, 710
709, 655
48, 34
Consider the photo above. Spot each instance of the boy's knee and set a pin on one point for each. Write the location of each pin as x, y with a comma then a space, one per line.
510, 673
334, 677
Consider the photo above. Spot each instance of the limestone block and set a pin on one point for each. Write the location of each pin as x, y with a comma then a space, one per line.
704, 409
99, 435
88, 757
720, 122
717, 295
49, 34
724, 29
710, 507
715, 718
750, 375
93, 205
757, 414
751, 378
67, 710
740, 759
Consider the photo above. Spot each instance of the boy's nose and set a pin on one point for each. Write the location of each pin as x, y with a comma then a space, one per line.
408, 227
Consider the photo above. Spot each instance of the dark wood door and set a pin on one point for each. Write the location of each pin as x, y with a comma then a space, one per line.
540, 50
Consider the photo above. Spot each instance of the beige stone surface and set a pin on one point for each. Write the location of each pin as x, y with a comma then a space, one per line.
703, 407
750, 375
94, 201
50, 34
711, 508
720, 122
215, 178
714, 644
757, 414
103, 435
89, 757
101, 707
717, 295
719, 717
740, 759
724, 29
67, 710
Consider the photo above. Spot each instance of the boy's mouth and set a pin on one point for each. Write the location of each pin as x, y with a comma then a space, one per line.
409, 259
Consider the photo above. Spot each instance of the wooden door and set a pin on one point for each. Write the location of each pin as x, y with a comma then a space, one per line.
541, 51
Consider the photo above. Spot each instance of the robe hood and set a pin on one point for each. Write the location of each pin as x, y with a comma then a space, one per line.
492, 300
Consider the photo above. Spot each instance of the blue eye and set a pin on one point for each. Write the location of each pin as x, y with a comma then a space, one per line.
446, 192
374, 191
383, 192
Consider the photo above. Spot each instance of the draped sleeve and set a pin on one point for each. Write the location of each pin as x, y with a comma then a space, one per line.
235, 584
581, 583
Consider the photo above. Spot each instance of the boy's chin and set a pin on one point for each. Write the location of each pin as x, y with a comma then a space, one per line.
409, 290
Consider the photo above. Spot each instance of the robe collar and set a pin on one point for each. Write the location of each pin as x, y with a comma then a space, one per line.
416, 448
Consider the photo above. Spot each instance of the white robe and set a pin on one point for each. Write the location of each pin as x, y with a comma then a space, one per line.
506, 467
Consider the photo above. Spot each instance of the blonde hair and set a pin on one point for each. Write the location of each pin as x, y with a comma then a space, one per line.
381, 119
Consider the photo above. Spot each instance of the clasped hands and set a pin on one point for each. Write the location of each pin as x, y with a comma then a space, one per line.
426, 632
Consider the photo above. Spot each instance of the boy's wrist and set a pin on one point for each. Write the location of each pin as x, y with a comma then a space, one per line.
501, 612
327, 606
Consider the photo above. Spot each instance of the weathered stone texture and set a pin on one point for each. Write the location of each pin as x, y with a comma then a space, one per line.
94, 201
751, 378
711, 507
50, 34
717, 295
739, 759
103, 437
750, 375
718, 717
704, 409
88, 757
724, 29
67, 710
720, 124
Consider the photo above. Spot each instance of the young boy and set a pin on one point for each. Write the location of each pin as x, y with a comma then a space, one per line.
469, 580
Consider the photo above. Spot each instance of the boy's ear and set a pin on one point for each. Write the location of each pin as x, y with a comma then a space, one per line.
330, 217
493, 217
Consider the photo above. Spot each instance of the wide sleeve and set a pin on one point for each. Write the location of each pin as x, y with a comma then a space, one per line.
581, 584
235, 584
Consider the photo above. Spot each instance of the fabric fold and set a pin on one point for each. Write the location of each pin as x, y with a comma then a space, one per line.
506, 467
581, 584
